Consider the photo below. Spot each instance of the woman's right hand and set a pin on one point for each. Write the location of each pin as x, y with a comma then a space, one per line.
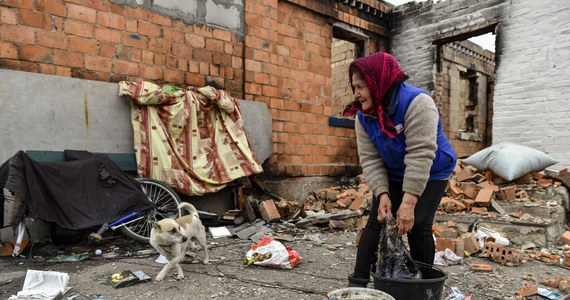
385, 207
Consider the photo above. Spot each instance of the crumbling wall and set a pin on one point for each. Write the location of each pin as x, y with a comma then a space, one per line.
530, 105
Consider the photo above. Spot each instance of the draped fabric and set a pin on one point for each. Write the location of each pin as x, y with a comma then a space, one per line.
193, 139
76, 194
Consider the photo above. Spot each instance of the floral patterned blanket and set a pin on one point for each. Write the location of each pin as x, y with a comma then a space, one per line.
193, 139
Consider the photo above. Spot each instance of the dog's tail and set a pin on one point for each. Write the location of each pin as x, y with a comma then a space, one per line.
190, 208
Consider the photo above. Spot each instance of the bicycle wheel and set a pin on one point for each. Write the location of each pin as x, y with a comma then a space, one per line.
166, 200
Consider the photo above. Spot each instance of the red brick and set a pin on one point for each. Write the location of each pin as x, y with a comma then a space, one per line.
130, 54
481, 267
137, 13
108, 35
63, 71
508, 193
106, 49
131, 25
268, 211
35, 19
68, 59
8, 50
149, 29
484, 197
8, 16
471, 245
97, 4
528, 290
81, 13
161, 20
53, 7
18, 65
479, 210
181, 50
98, 63
442, 243
135, 40
469, 189
122, 67
565, 238
111, 20
47, 69
195, 41
223, 35
82, 45
17, 34
173, 75
52, 39
34, 53
173, 35
150, 72
27, 4
78, 28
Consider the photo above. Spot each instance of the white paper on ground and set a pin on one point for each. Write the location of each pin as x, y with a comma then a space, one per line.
42, 285
161, 259
219, 232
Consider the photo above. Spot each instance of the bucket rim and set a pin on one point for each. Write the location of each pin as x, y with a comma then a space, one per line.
415, 281
377, 292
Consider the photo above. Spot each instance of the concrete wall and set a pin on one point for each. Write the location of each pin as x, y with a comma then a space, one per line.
46, 112
531, 88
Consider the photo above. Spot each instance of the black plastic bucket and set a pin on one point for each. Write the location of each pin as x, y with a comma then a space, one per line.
429, 287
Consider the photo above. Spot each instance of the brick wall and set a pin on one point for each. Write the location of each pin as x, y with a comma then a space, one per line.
452, 94
105, 41
530, 106
288, 66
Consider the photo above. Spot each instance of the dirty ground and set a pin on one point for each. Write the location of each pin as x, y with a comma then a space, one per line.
327, 258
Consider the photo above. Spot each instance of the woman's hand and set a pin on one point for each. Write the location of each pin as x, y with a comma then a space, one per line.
385, 207
405, 214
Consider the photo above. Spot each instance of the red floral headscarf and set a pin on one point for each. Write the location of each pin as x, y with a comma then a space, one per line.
380, 70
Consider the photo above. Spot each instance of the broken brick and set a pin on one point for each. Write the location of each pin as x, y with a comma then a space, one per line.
443, 243
454, 206
525, 179
468, 203
479, 210
552, 282
484, 197
508, 193
470, 243
481, 267
356, 203
565, 238
455, 190
268, 211
544, 182
470, 189
528, 290
463, 175
443, 203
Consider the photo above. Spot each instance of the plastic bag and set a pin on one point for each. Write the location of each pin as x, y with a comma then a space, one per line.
271, 253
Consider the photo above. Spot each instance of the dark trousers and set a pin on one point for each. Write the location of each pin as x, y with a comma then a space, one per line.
420, 239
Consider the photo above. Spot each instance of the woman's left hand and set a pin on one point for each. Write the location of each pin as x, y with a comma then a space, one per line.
405, 214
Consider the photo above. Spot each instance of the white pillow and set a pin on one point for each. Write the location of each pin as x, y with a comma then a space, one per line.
510, 161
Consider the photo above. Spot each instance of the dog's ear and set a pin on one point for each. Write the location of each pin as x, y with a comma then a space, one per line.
156, 226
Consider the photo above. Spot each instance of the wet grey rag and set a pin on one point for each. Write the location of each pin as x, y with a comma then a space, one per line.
394, 260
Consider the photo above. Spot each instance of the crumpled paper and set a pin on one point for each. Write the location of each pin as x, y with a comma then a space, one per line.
42, 285
446, 258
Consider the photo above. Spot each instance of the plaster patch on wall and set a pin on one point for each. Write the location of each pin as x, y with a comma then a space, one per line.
185, 10
223, 15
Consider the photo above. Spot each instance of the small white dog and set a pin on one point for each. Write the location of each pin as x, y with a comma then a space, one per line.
171, 238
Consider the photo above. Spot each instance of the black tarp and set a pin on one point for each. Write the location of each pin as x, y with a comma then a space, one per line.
86, 191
